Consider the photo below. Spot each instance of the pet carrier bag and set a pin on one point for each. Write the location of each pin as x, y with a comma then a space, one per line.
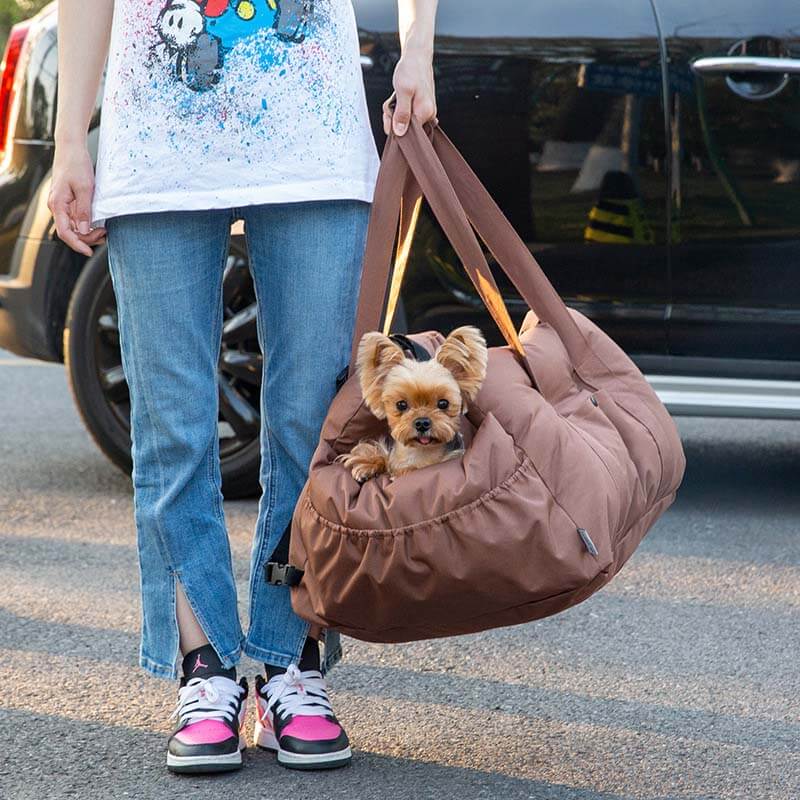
569, 459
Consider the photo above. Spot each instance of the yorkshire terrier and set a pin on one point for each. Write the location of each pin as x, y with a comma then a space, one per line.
421, 400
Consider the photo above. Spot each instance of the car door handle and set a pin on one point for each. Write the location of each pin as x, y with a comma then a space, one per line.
723, 64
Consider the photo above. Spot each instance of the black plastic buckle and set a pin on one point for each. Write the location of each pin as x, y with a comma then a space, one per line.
282, 574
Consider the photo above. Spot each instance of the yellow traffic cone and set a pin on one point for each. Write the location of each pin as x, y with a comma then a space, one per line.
618, 215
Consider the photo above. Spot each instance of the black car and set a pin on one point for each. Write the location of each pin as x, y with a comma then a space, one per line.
648, 152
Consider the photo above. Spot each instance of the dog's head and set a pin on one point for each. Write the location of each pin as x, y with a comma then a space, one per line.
422, 400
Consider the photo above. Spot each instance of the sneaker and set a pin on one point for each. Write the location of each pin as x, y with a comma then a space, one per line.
295, 719
209, 736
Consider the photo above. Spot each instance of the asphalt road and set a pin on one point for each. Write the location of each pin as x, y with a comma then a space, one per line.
679, 680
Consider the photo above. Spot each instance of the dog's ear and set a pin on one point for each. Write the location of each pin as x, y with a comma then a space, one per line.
376, 355
464, 353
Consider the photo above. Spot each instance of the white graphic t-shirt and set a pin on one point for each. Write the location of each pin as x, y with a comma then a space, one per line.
225, 103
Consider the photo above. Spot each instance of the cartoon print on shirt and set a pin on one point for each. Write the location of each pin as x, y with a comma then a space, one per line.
195, 36
195, 56
199, 114
292, 18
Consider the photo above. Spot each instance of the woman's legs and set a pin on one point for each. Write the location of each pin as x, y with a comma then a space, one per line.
167, 273
166, 269
306, 263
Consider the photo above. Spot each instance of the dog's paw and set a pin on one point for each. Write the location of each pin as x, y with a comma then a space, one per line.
365, 460
363, 472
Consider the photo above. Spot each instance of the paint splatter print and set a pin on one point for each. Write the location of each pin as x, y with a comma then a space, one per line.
220, 103
194, 37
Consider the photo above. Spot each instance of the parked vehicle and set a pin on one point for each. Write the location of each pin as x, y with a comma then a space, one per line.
650, 158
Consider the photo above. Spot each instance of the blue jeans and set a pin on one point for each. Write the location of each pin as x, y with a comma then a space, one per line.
166, 270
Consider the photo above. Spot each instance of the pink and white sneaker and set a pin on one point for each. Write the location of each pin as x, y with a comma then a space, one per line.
295, 719
210, 733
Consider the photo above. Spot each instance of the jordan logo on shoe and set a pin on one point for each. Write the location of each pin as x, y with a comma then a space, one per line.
198, 664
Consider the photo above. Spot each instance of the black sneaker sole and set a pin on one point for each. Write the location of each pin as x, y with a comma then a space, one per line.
330, 764
319, 765
265, 740
198, 769
196, 764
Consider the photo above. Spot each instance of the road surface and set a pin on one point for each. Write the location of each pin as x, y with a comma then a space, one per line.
679, 680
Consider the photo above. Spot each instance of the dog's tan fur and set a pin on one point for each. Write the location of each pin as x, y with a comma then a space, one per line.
388, 377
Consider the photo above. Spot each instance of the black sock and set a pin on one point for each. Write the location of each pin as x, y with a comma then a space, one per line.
203, 662
309, 659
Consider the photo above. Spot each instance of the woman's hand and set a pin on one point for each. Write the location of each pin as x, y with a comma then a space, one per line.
414, 93
70, 198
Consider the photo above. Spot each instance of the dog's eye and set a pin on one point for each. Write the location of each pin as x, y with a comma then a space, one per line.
402, 405
443, 404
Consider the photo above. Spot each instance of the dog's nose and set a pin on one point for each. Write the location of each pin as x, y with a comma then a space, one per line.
422, 424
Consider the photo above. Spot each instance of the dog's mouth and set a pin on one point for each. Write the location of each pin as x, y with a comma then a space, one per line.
425, 439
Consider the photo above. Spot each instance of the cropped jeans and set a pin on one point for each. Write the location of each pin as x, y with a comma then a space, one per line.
166, 271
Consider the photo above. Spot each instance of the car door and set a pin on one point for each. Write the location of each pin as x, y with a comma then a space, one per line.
557, 105
735, 123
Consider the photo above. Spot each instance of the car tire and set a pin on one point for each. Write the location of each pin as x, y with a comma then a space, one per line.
99, 389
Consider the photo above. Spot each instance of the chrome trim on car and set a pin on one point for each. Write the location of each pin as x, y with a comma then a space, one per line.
694, 396
716, 64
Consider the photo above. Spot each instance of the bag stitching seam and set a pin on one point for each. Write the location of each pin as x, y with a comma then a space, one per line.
407, 529
604, 572
629, 387
586, 438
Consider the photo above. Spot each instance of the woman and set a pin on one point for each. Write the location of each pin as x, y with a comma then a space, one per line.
217, 110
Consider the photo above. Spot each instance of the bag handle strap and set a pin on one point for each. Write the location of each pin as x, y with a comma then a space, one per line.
441, 196
511, 253
410, 205
384, 214
433, 161
422, 175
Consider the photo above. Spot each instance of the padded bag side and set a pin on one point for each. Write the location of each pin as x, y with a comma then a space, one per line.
516, 551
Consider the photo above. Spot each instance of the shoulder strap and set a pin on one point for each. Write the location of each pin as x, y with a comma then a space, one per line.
459, 201
395, 192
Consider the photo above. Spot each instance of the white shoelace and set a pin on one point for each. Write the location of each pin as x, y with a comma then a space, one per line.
216, 697
298, 692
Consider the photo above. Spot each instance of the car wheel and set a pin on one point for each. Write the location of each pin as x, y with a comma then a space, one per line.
97, 381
